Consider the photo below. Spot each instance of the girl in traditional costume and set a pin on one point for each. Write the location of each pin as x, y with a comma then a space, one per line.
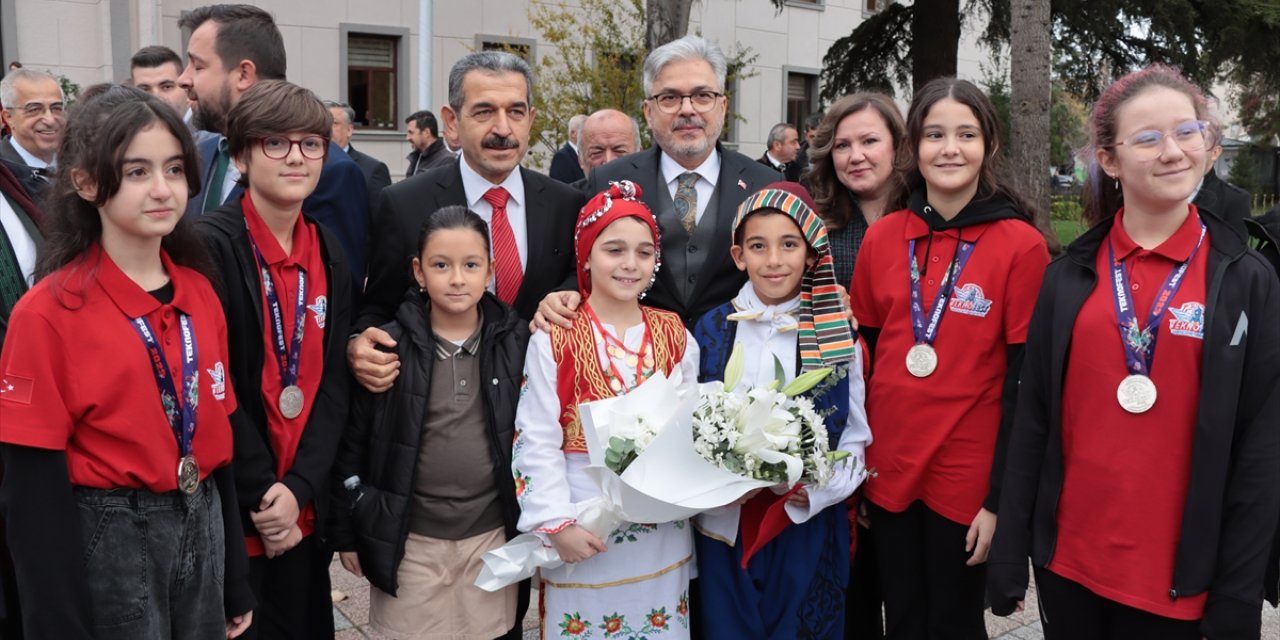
635, 579
776, 566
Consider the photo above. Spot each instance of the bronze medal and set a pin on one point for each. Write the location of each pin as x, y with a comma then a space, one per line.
188, 475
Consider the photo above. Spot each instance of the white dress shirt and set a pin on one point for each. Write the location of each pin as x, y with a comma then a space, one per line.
29, 159
708, 174
476, 186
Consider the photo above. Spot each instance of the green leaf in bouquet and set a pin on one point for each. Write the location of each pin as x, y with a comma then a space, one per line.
779, 374
733, 369
620, 454
837, 456
805, 382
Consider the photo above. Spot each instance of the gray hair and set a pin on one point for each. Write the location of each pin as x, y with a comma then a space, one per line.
9, 95
686, 48
488, 62
575, 124
581, 137
346, 108
778, 133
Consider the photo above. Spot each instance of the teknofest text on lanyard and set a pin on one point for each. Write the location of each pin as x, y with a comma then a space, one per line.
1137, 392
291, 399
922, 359
181, 416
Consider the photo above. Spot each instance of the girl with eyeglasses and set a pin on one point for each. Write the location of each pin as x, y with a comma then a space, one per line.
286, 289
1143, 474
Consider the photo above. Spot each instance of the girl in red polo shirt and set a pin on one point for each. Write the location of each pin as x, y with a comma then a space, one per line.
114, 405
1144, 468
943, 291
287, 295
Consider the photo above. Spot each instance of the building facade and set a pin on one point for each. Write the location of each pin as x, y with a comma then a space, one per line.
371, 53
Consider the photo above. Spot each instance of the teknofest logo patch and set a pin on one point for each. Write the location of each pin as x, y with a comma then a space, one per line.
319, 310
968, 299
1188, 320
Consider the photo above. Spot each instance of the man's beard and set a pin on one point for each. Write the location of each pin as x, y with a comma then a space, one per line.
208, 116
675, 148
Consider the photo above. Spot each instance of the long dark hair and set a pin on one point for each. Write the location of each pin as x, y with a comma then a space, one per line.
98, 133
1102, 198
990, 183
834, 202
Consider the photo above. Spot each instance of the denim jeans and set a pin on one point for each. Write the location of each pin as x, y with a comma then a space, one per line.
154, 562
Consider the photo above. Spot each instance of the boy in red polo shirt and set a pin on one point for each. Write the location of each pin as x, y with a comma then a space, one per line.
287, 296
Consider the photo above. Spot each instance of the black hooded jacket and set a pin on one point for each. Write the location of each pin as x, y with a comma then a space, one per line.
382, 439
1234, 491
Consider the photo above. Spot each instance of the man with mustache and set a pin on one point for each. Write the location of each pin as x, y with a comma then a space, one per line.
689, 180
232, 47
530, 216
33, 111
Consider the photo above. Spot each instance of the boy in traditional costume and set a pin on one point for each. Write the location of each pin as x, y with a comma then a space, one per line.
776, 566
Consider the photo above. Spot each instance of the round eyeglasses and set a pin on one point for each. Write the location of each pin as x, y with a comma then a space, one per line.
278, 147
702, 101
1148, 144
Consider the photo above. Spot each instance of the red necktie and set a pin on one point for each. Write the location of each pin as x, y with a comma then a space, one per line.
506, 256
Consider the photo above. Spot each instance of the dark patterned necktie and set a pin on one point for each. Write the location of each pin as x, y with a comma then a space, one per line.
686, 200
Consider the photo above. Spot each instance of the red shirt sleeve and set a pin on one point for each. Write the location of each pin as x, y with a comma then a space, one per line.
1024, 286
34, 384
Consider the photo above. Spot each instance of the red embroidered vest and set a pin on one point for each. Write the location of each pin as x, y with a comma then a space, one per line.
580, 378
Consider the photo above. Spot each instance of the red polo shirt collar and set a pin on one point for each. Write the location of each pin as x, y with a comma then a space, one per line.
271, 250
1177, 247
126, 294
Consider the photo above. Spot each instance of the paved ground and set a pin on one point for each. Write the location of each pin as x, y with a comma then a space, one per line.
352, 615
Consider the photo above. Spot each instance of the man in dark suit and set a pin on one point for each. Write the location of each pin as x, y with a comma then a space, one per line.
231, 48
33, 111
565, 165
1229, 202
692, 183
801, 163
605, 136
530, 216
783, 147
376, 174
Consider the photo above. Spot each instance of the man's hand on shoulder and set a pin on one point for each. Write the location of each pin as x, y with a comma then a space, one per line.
373, 368
558, 307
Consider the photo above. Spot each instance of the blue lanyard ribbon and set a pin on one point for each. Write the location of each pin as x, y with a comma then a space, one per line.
287, 357
1140, 342
927, 334
182, 422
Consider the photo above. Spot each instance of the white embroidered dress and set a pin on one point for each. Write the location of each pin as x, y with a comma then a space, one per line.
640, 585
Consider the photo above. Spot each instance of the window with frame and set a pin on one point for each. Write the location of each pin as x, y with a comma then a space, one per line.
874, 6
372, 65
802, 97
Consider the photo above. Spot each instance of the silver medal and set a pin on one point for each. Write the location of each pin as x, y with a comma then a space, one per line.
188, 475
1136, 393
291, 402
922, 360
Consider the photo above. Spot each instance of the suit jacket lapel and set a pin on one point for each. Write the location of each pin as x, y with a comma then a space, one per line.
647, 172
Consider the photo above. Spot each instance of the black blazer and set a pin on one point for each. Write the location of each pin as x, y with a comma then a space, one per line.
376, 174
564, 165
719, 280
551, 209
1230, 202
239, 288
33, 181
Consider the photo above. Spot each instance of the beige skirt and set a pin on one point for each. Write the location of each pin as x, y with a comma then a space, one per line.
438, 598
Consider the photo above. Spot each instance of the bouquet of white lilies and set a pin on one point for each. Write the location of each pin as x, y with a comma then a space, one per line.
764, 433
